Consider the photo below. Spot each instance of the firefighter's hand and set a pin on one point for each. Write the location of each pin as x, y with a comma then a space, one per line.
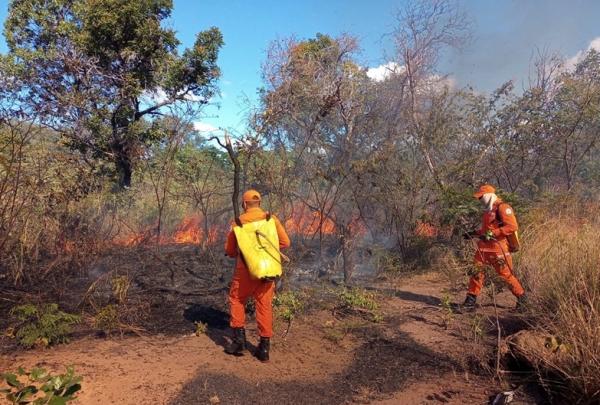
489, 235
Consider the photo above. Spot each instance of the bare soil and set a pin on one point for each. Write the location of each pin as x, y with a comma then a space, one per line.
421, 353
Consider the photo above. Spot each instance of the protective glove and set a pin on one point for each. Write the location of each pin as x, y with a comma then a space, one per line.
487, 236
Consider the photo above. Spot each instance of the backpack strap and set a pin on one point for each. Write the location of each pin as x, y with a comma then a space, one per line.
238, 221
498, 213
268, 216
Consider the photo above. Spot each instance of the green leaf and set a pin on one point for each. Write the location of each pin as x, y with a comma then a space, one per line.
24, 393
38, 374
57, 401
11, 380
72, 390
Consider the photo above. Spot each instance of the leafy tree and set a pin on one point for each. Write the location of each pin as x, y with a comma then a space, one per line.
88, 69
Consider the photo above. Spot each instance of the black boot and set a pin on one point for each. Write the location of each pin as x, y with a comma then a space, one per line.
238, 344
262, 352
470, 301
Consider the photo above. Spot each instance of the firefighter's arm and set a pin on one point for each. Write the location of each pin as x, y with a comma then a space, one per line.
509, 221
231, 247
284, 239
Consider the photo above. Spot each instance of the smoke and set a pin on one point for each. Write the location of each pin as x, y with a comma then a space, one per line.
508, 34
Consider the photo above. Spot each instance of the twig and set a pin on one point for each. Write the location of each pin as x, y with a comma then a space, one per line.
499, 334
289, 325
228, 146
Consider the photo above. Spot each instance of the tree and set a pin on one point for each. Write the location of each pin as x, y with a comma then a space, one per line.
88, 68
424, 29
200, 170
318, 114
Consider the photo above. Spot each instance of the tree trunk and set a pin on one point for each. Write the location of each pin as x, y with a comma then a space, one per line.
123, 164
125, 171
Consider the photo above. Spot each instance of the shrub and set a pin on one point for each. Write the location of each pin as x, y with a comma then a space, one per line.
357, 301
107, 318
288, 304
357, 298
560, 262
39, 387
42, 324
387, 261
201, 328
120, 287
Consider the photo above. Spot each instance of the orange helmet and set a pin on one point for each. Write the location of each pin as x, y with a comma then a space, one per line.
484, 189
251, 195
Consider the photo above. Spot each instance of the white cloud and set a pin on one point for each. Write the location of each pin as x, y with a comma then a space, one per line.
159, 96
578, 57
382, 72
193, 97
154, 97
204, 127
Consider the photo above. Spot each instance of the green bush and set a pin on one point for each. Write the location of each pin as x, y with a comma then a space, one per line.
358, 301
357, 298
288, 304
42, 324
39, 387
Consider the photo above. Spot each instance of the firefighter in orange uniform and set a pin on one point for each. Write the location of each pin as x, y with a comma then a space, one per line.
243, 286
498, 224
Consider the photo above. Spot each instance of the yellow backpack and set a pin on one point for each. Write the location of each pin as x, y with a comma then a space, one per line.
259, 247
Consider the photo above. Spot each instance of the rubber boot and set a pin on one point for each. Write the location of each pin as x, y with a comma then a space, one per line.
470, 301
238, 344
262, 352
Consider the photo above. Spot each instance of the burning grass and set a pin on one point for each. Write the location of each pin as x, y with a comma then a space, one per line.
561, 265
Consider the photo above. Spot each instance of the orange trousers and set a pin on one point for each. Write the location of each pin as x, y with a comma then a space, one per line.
502, 264
244, 287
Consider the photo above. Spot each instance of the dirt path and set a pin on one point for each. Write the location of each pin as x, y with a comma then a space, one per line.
418, 355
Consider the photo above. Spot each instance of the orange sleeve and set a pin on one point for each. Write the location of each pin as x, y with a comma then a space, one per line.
508, 219
284, 239
231, 248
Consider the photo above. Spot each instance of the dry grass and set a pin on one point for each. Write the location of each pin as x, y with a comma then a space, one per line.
560, 263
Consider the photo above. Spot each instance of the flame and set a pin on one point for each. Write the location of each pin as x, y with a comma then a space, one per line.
306, 222
189, 231
426, 230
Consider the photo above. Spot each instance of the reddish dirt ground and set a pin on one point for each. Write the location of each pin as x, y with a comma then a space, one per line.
418, 355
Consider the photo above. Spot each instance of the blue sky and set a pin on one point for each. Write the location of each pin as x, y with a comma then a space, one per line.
505, 36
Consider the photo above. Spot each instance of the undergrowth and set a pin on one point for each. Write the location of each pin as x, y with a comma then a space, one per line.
560, 263
43, 324
39, 387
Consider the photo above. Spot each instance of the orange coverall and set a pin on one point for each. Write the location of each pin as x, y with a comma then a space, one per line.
243, 286
495, 253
